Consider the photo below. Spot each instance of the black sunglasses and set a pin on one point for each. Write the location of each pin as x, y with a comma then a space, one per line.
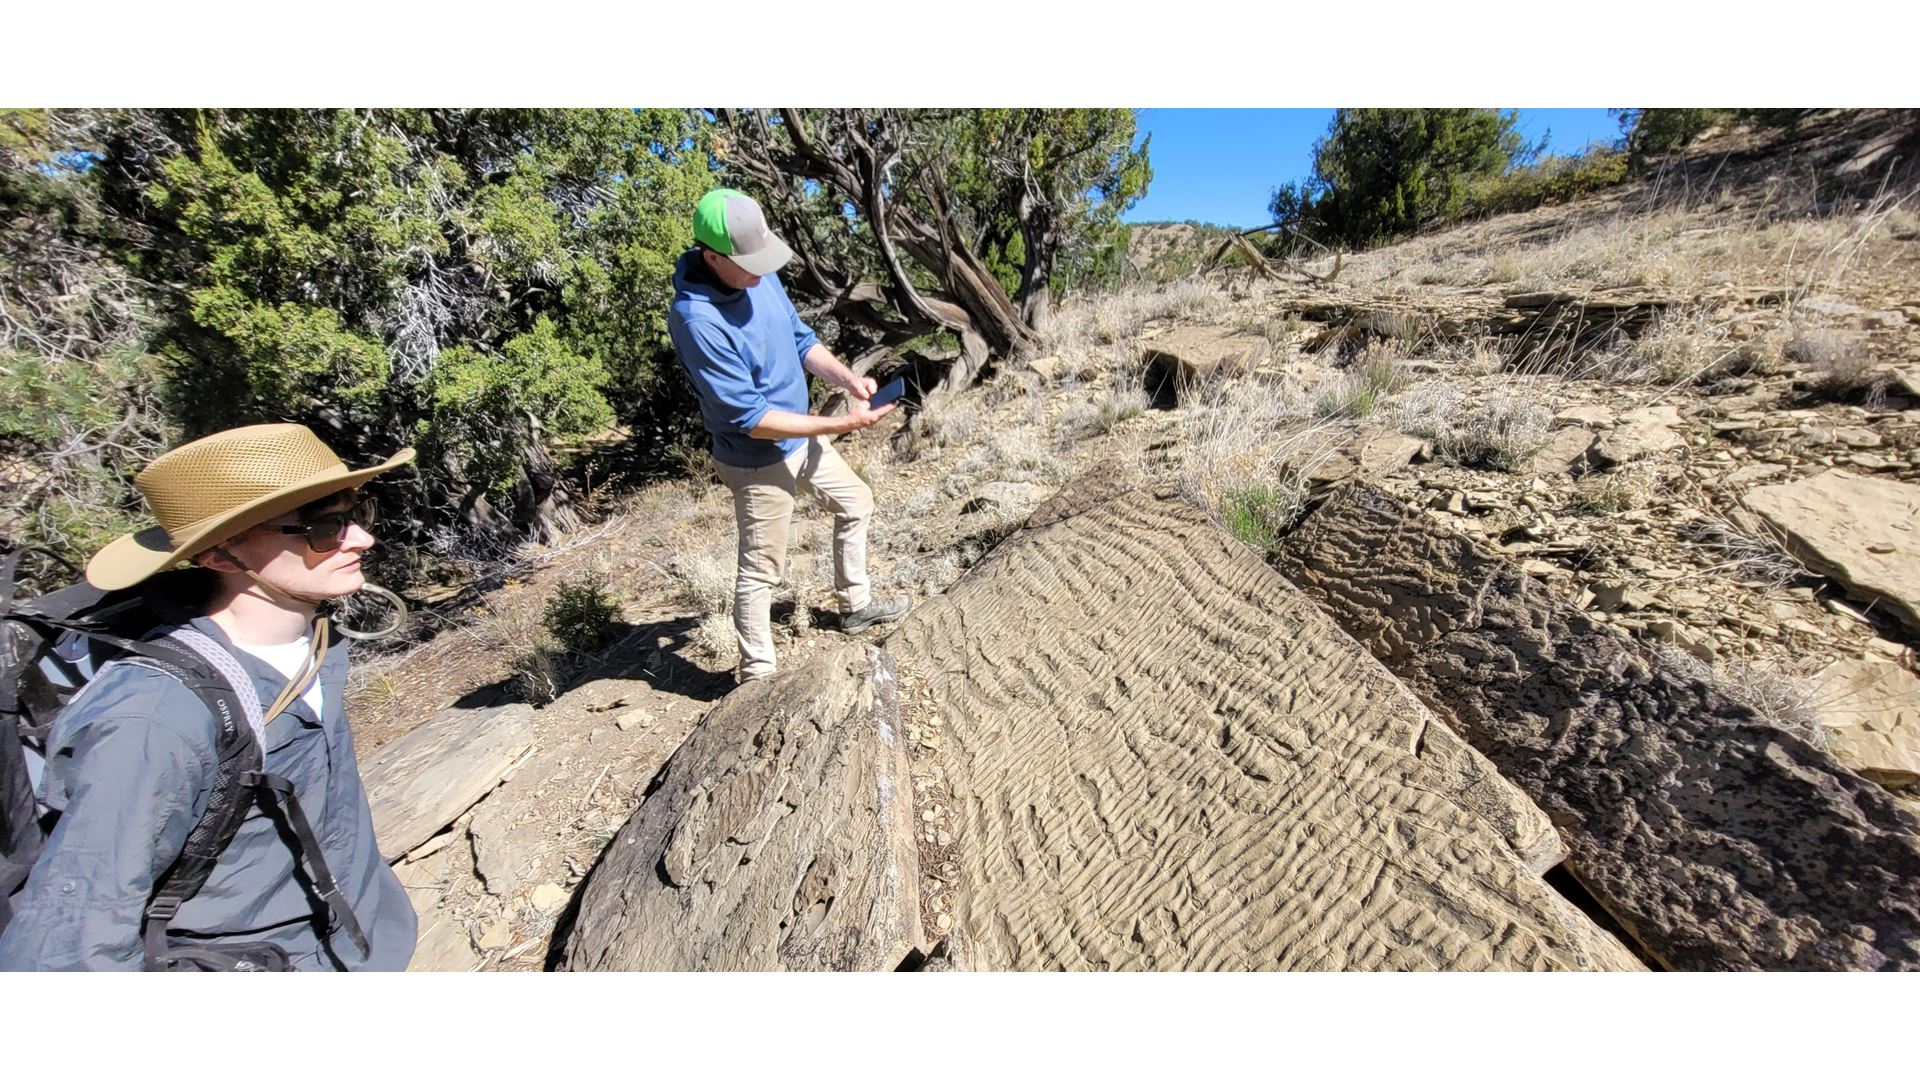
325, 532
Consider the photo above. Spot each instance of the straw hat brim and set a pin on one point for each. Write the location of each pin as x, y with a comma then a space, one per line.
135, 557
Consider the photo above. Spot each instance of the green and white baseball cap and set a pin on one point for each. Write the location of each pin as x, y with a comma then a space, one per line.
731, 224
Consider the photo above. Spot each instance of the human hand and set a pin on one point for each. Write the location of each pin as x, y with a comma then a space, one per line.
862, 388
859, 415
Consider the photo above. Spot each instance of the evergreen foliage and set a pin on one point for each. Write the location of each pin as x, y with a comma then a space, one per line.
1383, 173
78, 412
1080, 161
1650, 133
482, 284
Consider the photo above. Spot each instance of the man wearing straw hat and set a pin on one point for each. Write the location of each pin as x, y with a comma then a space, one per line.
747, 354
274, 522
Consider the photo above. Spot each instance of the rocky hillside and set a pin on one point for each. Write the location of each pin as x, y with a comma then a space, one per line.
1683, 417
1162, 251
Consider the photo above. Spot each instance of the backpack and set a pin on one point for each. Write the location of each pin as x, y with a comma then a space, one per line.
51, 646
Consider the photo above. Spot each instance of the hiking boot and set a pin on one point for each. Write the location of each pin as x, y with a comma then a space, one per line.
876, 611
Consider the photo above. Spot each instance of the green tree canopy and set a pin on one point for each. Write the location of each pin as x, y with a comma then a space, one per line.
1381, 173
478, 283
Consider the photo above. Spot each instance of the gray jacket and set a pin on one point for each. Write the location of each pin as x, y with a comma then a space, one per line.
129, 767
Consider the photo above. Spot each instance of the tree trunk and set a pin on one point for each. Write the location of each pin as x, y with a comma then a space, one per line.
546, 506
1040, 234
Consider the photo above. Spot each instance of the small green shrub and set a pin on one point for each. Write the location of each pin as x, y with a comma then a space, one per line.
1259, 515
581, 614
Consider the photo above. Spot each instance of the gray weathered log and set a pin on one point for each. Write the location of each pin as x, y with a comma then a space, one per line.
1718, 841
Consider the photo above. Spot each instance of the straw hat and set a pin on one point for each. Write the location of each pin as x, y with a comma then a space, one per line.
216, 488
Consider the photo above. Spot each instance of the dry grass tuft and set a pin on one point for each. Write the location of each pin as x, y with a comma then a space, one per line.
1748, 555
1676, 350
513, 630
1842, 367
1016, 455
1122, 403
1362, 387
1498, 433
1085, 325
1250, 452
954, 425
1615, 491
703, 580
713, 638
1777, 697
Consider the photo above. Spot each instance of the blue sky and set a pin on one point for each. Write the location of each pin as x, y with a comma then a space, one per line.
1219, 165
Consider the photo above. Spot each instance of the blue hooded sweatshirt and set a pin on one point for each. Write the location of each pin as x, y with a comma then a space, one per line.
741, 350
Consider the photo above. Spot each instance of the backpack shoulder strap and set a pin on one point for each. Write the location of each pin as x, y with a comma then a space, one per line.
212, 672
237, 752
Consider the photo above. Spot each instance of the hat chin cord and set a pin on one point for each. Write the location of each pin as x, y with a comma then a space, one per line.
399, 608
280, 595
275, 592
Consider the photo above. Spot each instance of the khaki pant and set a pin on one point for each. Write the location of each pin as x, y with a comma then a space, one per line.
763, 509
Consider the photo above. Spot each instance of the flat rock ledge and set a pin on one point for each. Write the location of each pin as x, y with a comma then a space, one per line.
1717, 841
417, 784
1861, 531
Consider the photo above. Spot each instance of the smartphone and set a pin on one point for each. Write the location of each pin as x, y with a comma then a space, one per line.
889, 393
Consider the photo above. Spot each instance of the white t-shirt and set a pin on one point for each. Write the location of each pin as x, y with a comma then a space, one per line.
287, 660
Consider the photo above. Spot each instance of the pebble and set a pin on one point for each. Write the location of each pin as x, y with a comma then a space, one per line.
1844, 611
1620, 598
497, 935
944, 921
633, 718
1887, 648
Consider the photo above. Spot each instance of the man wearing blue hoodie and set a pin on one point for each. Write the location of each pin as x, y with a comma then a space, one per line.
747, 354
